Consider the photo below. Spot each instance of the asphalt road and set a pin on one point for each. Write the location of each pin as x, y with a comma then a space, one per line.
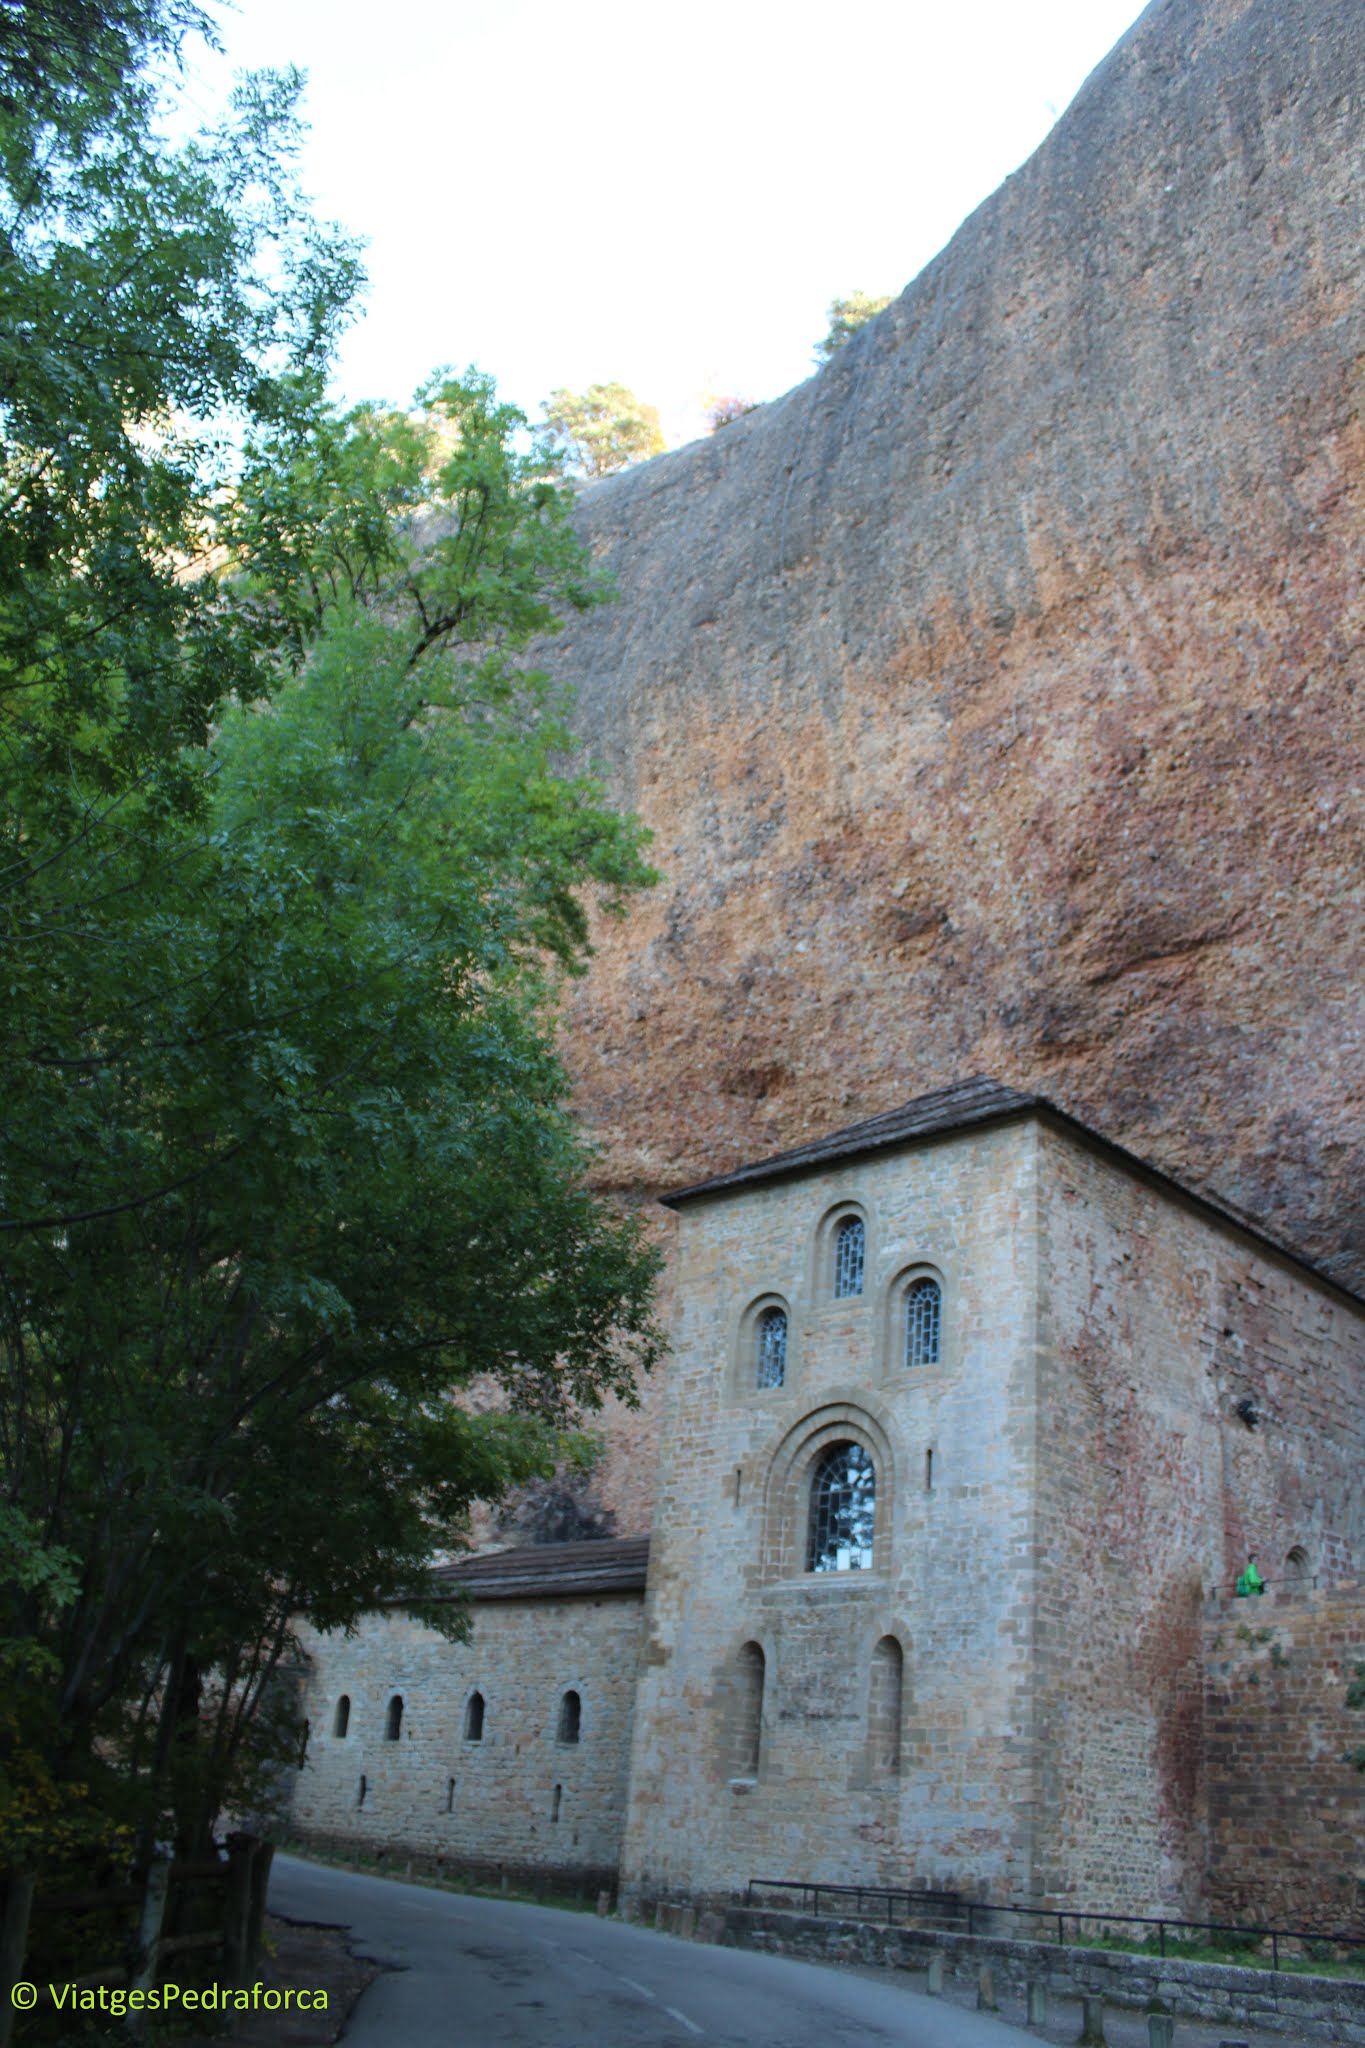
483, 1973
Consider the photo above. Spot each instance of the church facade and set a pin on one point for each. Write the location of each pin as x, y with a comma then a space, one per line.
970, 1423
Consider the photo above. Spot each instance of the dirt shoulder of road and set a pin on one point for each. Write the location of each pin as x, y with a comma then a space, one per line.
297, 1957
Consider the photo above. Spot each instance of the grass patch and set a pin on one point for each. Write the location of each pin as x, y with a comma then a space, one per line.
1244, 1951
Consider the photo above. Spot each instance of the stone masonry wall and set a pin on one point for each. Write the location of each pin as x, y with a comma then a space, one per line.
1300, 2008
1286, 1812
1157, 1323
491, 1801
950, 1576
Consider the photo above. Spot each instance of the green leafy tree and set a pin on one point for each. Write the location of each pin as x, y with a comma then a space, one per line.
846, 316
602, 429
290, 870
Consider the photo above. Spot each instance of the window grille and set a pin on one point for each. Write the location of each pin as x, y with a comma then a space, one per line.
393, 1727
473, 1718
849, 1246
843, 1504
923, 1322
343, 1715
570, 1717
772, 1347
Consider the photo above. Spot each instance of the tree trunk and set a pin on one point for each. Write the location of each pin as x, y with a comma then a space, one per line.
14, 1942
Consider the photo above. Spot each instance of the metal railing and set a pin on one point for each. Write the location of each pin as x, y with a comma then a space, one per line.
976, 1916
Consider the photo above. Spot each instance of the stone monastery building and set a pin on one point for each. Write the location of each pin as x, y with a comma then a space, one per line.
971, 1421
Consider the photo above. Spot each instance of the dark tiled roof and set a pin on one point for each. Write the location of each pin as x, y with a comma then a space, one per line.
977, 1101
551, 1570
983, 1101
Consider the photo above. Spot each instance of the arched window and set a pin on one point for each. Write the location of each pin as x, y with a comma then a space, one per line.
473, 1718
1296, 1563
393, 1726
341, 1721
747, 1726
843, 1503
884, 1709
570, 1717
923, 1322
850, 1247
772, 1348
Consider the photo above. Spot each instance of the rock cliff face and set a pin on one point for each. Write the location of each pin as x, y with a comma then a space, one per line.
996, 697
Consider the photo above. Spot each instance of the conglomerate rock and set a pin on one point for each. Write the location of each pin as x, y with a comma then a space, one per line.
995, 697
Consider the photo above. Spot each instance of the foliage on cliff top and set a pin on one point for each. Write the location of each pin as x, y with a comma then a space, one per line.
602, 429
845, 317
289, 865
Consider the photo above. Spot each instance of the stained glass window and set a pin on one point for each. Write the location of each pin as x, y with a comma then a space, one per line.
923, 1322
849, 1246
843, 1502
772, 1348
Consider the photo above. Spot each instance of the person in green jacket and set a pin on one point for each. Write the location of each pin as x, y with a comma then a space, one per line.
1250, 1580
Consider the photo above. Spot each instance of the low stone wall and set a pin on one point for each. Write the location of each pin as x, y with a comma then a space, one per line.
1302, 2008
577, 1881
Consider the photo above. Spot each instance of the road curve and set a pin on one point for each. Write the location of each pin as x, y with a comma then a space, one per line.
484, 1973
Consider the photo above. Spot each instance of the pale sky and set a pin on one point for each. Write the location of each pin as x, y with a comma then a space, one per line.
663, 196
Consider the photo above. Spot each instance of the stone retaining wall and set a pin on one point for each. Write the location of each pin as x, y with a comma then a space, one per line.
1302, 2008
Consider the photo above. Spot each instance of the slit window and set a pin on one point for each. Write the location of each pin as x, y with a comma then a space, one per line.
923, 1322
885, 1686
850, 1250
843, 1507
748, 1711
772, 1348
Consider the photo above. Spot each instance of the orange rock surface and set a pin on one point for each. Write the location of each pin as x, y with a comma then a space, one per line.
996, 697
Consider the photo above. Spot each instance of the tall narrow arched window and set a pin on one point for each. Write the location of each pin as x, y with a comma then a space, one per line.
772, 1348
473, 1718
746, 1734
850, 1250
884, 1691
923, 1322
843, 1506
570, 1717
341, 1720
393, 1725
